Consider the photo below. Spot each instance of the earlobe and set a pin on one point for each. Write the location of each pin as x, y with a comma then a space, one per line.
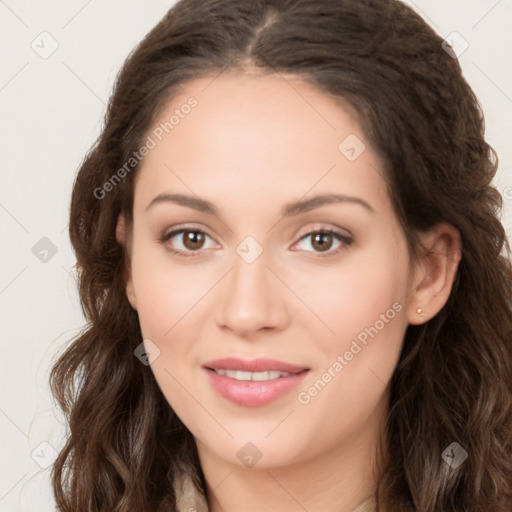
435, 273
130, 294
121, 229
122, 239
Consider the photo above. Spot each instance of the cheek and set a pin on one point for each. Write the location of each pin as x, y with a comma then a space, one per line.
166, 296
364, 304
354, 296
165, 292
368, 317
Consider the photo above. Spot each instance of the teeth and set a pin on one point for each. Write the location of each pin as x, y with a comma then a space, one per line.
256, 376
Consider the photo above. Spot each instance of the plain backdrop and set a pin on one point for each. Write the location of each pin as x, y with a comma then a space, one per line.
59, 61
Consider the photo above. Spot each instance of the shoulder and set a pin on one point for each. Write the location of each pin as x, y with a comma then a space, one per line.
369, 505
188, 497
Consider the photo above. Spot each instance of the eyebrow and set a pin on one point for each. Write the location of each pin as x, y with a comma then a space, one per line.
290, 209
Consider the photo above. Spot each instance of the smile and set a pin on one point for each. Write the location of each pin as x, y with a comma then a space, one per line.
256, 376
253, 383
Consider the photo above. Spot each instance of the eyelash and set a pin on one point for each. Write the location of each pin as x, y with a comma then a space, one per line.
346, 240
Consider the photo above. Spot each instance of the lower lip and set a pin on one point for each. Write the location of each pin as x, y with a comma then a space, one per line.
250, 393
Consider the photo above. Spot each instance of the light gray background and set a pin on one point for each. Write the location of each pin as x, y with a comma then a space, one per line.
51, 111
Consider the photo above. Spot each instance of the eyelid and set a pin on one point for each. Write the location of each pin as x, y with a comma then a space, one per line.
325, 227
304, 231
345, 238
179, 229
186, 227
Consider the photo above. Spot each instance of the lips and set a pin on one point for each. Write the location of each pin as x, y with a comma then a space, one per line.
253, 383
256, 365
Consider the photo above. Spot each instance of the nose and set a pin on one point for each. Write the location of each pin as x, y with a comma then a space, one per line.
253, 299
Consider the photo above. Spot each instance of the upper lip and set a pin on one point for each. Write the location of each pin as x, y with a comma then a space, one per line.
254, 365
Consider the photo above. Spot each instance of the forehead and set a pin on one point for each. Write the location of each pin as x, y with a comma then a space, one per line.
247, 134
246, 110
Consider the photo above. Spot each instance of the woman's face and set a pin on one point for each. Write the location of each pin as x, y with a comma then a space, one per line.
261, 165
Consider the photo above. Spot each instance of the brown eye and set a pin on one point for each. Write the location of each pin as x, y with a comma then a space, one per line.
193, 240
322, 241
187, 241
325, 242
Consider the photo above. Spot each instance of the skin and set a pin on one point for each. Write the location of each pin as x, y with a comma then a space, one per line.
253, 144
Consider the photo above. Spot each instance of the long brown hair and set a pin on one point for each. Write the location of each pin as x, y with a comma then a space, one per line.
453, 382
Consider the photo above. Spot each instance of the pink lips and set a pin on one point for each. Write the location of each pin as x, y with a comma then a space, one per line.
256, 365
253, 393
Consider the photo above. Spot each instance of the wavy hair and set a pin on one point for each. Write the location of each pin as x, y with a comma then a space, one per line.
453, 381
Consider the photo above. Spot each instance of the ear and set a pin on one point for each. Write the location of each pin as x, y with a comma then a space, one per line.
434, 273
121, 237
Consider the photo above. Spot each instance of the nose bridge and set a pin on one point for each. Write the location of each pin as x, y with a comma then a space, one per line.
250, 279
249, 275
252, 299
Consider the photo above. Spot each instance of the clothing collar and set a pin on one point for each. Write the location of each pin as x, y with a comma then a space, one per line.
190, 499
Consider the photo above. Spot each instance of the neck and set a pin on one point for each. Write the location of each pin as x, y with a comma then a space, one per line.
335, 481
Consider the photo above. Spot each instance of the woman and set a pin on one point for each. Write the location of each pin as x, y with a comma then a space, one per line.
293, 271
